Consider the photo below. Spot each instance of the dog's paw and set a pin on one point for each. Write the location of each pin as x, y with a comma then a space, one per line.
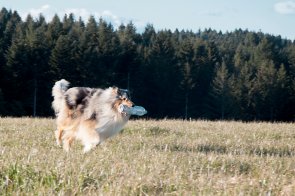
66, 146
87, 148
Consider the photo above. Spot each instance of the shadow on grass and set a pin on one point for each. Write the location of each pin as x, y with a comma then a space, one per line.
204, 148
153, 131
272, 151
152, 189
157, 131
222, 149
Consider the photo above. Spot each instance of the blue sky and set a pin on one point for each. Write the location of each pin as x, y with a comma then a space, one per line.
276, 17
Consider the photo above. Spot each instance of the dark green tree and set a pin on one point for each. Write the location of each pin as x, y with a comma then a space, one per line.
188, 72
242, 90
108, 50
91, 74
128, 66
221, 103
2, 105
206, 58
16, 73
161, 76
269, 89
54, 30
63, 67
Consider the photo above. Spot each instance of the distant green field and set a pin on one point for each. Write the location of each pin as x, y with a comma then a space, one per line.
168, 157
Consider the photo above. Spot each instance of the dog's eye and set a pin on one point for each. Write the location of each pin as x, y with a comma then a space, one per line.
124, 99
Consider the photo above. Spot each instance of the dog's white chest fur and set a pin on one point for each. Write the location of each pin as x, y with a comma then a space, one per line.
108, 128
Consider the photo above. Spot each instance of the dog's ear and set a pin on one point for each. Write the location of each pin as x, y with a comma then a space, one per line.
115, 89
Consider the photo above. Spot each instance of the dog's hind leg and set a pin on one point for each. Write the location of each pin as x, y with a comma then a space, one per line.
67, 141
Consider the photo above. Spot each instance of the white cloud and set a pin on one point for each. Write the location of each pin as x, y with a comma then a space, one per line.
286, 7
110, 17
78, 12
48, 12
45, 10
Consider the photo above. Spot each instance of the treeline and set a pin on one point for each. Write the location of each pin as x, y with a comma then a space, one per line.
239, 75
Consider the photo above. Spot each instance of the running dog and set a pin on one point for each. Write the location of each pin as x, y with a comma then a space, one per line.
90, 115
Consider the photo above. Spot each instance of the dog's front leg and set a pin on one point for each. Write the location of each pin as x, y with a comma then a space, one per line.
58, 136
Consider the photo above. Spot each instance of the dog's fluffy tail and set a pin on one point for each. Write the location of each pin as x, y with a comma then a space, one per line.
58, 90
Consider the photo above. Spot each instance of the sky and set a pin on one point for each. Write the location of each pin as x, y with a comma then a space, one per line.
275, 17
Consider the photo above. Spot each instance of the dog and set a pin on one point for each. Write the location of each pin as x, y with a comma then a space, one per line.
90, 115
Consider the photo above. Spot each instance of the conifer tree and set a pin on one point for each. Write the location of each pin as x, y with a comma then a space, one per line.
54, 30
2, 104
128, 65
188, 72
161, 75
221, 104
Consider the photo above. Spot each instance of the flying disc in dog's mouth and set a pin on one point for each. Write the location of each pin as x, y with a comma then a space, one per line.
135, 110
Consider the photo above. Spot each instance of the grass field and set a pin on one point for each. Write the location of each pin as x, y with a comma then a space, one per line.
168, 157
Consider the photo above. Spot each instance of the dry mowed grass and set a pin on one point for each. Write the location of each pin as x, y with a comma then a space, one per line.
168, 157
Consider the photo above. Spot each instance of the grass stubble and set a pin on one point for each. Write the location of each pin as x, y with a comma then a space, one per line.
165, 157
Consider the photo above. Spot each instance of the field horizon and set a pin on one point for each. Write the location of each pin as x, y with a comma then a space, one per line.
151, 157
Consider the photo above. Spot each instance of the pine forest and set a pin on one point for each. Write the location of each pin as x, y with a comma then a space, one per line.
179, 74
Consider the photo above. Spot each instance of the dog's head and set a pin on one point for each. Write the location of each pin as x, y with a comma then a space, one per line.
123, 97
